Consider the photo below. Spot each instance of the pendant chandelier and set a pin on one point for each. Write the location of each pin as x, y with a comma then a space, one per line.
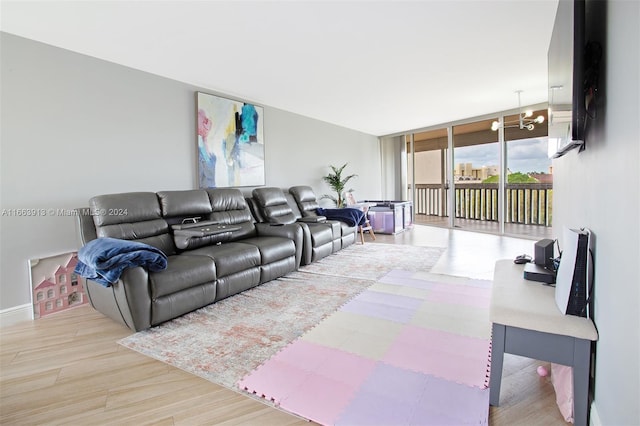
524, 119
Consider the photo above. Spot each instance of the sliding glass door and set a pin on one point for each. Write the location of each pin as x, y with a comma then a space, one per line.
476, 176
482, 177
528, 192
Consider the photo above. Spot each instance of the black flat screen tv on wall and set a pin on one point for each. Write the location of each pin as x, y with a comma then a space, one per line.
567, 111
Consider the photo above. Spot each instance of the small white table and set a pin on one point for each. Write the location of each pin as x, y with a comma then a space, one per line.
527, 322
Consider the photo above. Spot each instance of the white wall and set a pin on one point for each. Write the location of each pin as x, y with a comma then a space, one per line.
600, 189
304, 149
75, 126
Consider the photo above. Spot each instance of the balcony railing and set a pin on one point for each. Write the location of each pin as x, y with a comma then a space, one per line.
525, 203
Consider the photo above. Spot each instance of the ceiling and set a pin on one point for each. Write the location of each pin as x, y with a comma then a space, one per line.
379, 67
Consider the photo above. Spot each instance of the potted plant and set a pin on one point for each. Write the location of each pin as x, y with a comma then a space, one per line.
338, 183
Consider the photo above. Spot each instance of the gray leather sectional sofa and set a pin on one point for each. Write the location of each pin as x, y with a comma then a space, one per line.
216, 246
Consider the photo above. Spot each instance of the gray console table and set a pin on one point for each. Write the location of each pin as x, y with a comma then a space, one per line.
527, 322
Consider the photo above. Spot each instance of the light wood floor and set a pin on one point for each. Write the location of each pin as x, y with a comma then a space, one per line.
68, 369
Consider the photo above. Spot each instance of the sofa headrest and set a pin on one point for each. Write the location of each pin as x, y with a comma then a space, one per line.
128, 207
132, 216
188, 203
273, 205
305, 199
230, 208
267, 197
303, 193
225, 199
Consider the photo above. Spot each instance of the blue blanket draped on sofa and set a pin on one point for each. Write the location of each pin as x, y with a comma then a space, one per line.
104, 259
348, 215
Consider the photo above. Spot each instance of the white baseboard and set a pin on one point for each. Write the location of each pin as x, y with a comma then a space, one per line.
16, 314
594, 417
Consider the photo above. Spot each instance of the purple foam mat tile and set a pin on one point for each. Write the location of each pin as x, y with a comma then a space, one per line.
446, 402
372, 409
395, 383
389, 299
468, 347
423, 399
389, 396
397, 314
440, 418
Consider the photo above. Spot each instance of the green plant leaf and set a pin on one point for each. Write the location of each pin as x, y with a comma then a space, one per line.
338, 183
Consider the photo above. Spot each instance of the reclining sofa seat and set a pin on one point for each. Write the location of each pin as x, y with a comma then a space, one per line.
307, 203
271, 206
334, 225
200, 270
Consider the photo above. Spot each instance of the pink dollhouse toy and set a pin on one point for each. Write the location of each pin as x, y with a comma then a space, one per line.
55, 286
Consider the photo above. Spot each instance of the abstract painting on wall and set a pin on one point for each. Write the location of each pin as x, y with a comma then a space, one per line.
55, 286
230, 143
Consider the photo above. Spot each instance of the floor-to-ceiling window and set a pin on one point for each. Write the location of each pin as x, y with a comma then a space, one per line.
427, 176
474, 176
529, 178
476, 161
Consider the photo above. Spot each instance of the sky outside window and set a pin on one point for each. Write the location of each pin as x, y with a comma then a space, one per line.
523, 155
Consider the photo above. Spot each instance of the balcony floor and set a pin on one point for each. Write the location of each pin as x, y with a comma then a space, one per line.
534, 232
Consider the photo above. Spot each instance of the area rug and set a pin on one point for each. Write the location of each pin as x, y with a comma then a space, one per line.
225, 341
412, 349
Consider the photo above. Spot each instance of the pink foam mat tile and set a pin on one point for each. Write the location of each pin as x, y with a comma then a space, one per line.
464, 346
427, 340
456, 369
274, 380
429, 352
303, 355
319, 398
345, 367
